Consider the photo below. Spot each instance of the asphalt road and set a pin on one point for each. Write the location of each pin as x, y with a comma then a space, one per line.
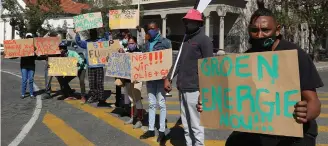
72, 123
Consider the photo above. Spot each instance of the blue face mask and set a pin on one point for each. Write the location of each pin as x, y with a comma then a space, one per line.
132, 47
153, 33
124, 41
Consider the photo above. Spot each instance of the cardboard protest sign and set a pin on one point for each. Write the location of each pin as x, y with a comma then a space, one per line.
119, 65
253, 92
123, 19
88, 21
18, 48
151, 66
47, 45
99, 52
62, 66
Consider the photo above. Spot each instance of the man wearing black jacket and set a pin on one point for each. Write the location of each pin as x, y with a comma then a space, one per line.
196, 46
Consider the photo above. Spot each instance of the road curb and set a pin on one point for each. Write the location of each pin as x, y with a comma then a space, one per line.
322, 68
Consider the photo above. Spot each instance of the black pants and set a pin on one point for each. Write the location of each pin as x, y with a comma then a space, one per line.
64, 83
251, 139
118, 95
96, 83
81, 75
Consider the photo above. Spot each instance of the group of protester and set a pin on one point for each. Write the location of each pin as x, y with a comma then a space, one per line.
264, 32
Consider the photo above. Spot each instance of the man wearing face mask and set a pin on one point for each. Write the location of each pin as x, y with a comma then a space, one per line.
196, 46
265, 35
155, 88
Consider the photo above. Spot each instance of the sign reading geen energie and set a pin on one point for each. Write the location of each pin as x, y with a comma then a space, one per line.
253, 92
88, 21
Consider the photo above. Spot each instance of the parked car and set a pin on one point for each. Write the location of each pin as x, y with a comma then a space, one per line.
2, 48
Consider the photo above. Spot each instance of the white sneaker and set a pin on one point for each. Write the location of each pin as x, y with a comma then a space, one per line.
137, 125
130, 121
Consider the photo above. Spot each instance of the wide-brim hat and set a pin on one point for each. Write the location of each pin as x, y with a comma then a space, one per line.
193, 14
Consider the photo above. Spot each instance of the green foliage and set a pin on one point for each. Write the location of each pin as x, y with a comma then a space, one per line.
32, 17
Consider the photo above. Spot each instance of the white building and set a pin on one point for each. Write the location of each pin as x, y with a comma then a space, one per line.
226, 21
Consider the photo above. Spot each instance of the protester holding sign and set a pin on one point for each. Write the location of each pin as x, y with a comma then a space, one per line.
265, 35
155, 88
27, 65
196, 46
95, 72
64, 80
124, 38
133, 91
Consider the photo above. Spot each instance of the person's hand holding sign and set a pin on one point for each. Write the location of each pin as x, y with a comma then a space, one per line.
199, 105
300, 112
121, 50
167, 84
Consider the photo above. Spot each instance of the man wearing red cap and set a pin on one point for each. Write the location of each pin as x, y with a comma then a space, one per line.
196, 46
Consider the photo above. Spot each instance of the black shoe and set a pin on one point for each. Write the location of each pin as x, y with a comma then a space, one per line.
117, 105
72, 91
148, 134
61, 98
103, 103
22, 97
45, 96
32, 97
161, 137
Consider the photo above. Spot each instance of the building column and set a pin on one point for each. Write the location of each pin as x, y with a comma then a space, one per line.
221, 38
207, 22
163, 16
222, 13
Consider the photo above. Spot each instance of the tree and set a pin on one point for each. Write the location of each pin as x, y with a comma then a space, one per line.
288, 20
33, 16
315, 14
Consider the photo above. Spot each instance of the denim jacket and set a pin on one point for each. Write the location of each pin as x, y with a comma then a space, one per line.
162, 44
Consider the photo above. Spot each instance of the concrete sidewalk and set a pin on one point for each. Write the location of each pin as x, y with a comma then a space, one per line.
321, 66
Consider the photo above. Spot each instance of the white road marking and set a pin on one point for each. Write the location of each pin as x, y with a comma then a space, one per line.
28, 126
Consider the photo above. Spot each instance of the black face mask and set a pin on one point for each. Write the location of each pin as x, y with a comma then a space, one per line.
263, 44
191, 28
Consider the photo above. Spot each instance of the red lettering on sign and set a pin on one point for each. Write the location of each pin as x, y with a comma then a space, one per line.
150, 58
9, 42
161, 56
100, 45
164, 72
156, 73
156, 57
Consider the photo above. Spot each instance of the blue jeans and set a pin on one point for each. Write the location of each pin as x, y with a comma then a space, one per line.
27, 75
156, 92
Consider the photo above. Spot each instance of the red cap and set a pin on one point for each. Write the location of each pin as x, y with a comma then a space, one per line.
193, 15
